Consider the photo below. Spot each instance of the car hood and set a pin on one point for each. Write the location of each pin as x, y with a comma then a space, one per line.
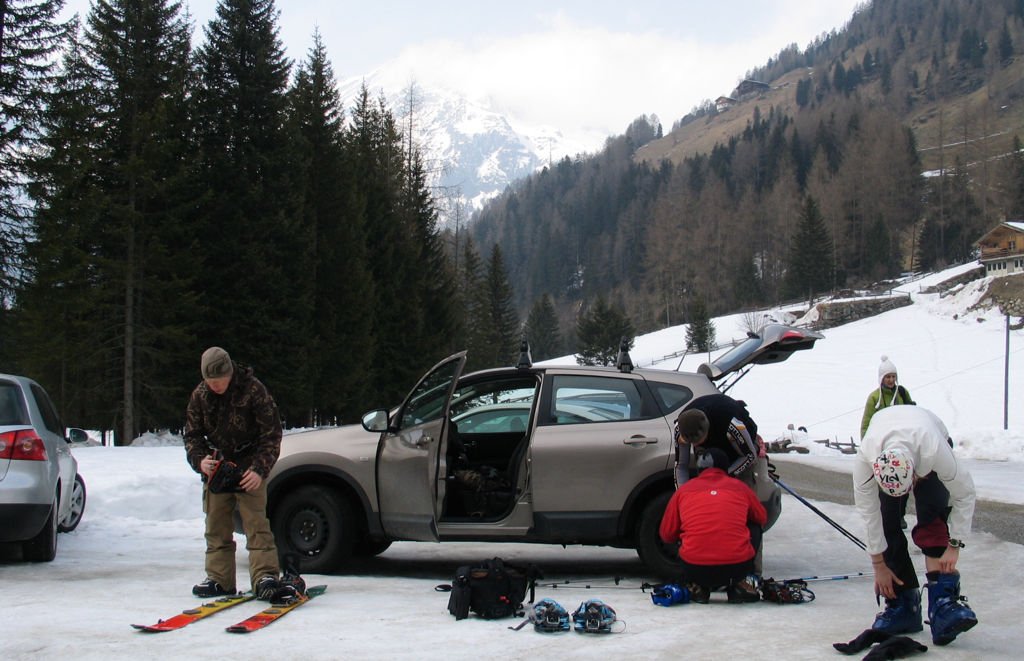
350, 440
772, 344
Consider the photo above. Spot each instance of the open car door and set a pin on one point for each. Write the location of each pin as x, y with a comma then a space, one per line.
408, 456
773, 344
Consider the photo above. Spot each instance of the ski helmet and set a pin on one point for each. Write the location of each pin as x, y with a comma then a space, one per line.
894, 471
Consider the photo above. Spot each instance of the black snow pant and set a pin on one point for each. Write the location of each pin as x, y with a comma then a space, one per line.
931, 500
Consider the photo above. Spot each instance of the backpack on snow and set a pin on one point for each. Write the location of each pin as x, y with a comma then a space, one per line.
492, 589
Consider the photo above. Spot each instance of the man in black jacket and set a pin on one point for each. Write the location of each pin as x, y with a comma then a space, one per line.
232, 424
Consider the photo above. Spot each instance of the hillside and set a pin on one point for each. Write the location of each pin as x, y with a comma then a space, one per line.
883, 147
955, 109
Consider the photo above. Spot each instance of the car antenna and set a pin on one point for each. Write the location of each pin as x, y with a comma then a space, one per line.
624, 362
525, 359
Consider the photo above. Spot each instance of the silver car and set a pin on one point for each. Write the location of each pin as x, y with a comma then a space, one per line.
41, 492
532, 453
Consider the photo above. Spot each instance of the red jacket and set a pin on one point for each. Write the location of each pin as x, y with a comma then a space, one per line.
709, 514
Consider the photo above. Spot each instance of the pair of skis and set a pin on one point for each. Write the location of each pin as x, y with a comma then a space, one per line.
253, 623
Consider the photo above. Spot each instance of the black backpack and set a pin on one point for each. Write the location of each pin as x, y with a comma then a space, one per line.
492, 589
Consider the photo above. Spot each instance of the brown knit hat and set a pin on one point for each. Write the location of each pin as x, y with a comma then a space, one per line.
693, 425
216, 364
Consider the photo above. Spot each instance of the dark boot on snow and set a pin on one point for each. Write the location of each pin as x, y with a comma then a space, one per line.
902, 614
948, 612
210, 588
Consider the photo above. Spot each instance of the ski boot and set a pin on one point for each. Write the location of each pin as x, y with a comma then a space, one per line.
290, 588
901, 615
210, 588
265, 587
745, 590
699, 594
670, 594
948, 612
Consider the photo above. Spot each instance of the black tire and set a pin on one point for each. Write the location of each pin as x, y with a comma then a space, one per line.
661, 559
367, 548
43, 547
74, 517
315, 523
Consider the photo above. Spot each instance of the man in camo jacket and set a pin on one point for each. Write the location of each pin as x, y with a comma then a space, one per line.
233, 429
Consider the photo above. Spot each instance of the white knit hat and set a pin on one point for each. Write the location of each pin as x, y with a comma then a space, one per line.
886, 367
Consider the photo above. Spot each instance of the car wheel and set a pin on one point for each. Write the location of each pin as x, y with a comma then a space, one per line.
74, 516
43, 547
315, 523
660, 558
367, 548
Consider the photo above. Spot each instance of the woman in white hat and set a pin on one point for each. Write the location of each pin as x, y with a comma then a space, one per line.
888, 393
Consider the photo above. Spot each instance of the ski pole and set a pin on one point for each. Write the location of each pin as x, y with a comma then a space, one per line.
849, 535
834, 577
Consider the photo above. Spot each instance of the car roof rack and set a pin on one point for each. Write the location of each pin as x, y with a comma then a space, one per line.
623, 362
525, 358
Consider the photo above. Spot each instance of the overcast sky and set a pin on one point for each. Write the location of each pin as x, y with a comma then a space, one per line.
578, 66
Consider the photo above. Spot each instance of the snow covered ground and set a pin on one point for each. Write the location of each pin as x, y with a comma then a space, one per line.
140, 546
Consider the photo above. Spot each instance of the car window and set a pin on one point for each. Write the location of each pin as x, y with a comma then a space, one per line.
50, 418
582, 399
12, 410
670, 396
427, 401
497, 406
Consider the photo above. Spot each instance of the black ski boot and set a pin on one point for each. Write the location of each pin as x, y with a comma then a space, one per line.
210, 588
291, 586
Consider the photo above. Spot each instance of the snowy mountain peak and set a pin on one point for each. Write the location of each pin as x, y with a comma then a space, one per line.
472, 150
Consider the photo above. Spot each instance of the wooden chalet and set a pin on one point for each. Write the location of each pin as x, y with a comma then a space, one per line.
750, 87
1002, 248
723, 103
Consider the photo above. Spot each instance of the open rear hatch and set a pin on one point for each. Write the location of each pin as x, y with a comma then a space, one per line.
773, 344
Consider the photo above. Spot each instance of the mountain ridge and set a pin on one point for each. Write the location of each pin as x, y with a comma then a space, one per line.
473, 151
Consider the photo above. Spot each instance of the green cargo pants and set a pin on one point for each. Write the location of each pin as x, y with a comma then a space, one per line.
220, 540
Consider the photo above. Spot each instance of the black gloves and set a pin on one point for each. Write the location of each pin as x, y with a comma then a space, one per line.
891, 647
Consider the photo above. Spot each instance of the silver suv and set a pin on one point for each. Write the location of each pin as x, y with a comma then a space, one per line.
532, 453
41, 492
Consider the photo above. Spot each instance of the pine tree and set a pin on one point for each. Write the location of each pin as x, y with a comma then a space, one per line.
127, 172
746, 281
257, 285
433, 283
29, 37
700, 333
60, 319
600, 330
501, 322
472, 296
542, 330
811, 254
338, 270
373, 145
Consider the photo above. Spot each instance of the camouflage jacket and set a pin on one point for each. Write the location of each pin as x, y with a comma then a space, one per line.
243, 424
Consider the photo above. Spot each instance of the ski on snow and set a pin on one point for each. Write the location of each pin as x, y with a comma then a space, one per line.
191, 615
274, 612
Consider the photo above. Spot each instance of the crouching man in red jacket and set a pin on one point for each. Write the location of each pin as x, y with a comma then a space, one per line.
718, 520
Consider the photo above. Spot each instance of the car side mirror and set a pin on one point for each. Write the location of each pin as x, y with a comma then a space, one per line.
376, 420
76, 435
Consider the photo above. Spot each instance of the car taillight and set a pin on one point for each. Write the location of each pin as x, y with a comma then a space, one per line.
23, 444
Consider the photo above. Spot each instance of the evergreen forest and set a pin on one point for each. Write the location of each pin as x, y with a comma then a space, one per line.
890, 145
158, 197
